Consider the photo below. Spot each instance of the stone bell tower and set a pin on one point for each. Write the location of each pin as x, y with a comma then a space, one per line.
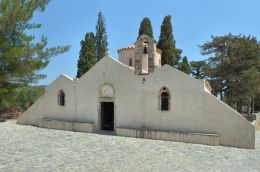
144, 55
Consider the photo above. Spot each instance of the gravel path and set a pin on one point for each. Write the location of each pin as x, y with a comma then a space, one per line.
27, 148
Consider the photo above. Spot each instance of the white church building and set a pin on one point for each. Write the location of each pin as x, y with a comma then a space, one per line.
137, 97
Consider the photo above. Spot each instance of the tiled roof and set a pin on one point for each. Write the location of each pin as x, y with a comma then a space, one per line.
126, 48
132, 46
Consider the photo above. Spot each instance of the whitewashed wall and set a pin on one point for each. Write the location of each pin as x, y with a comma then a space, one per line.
136, 103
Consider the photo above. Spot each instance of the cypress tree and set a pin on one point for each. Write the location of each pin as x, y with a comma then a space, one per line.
87, 55
167, 43
185, 66
145, 28
101, 37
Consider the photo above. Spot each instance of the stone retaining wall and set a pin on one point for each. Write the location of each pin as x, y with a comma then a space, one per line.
66, 125
198, 138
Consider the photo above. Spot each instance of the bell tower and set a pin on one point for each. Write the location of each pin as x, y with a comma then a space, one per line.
144, 55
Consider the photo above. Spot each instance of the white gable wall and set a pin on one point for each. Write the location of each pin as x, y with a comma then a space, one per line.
53, 110
32, 115
106, 71
192, 109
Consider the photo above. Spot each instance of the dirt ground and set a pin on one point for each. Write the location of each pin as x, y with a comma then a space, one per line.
27, 148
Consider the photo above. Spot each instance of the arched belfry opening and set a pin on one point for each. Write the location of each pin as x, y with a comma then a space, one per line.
144, 55
144, 59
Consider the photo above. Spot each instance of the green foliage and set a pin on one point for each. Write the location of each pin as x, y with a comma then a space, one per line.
21, 58
178, 57
170, 54
185, 66
234, 67
199, 69
93, 48
22, 97
26, 96
101, 37
87, 55
145, 28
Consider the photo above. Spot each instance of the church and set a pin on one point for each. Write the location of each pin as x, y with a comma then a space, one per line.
137, 97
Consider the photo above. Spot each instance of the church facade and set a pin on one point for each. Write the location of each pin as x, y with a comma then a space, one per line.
137, 97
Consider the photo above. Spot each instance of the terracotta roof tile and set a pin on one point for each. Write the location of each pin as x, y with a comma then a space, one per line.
126, 48
132, 46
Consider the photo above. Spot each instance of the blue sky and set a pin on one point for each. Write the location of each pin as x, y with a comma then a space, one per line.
65, 22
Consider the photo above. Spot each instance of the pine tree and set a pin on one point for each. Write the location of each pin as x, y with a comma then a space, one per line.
167, 43
145, 28
87, 55
234, 67
185, 66
101, 37
21, 57
199, 69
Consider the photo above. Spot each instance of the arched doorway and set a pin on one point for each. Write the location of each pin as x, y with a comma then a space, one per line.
106, 100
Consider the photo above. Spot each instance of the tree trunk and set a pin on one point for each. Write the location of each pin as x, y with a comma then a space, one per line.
221, 91
249, 107
239, 106
221, 96
253, 106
